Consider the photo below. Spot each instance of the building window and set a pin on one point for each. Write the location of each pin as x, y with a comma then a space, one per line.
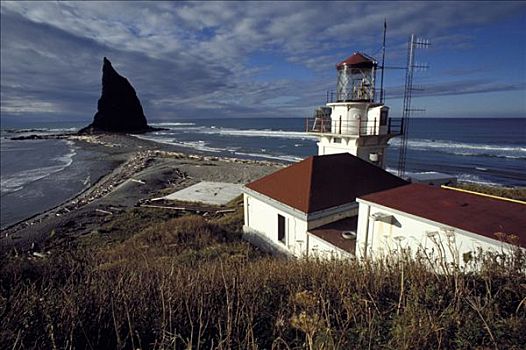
281, 228
383, 118
337, 140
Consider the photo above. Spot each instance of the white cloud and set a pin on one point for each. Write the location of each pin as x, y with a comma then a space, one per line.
196, 55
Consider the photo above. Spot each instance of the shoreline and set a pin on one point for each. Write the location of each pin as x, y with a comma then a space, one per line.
142, 169
133, 157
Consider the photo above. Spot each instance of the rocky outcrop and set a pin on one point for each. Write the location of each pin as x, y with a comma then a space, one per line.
119, 108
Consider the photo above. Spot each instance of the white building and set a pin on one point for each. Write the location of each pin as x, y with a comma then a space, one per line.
310, 208
448, 225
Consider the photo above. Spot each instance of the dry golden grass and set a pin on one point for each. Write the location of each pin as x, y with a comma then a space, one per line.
191, 283
518, 193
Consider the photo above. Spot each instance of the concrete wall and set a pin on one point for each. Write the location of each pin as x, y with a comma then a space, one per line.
441, 243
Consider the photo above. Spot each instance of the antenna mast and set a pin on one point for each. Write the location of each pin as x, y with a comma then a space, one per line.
406, 109
383, 65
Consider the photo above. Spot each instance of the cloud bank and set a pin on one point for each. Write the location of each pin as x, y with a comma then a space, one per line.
213, 59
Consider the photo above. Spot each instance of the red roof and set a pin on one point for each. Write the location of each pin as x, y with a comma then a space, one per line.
470, 212
358, 60
322, 182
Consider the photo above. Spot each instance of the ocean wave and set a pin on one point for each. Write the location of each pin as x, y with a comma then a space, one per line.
16, 181
465, 149
63, 130
173, 132
260, 133
394, 171
41, 130
462, 177
476, 180
488, 155
168, 124
66, 159
198, 145
203, 146
287, 158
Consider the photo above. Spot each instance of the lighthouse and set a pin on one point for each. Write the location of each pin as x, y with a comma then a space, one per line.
355, 120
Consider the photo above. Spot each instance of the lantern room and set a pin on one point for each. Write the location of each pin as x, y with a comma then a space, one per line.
356, 79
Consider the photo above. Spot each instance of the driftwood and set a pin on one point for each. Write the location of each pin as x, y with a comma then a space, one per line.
104, 211
195, 210
165, 207
225, 211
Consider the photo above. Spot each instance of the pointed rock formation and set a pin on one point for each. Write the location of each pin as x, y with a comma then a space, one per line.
118, 109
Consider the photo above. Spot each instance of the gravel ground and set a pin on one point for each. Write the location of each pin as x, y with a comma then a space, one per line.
144, 170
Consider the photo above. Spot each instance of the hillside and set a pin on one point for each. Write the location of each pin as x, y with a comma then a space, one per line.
155, 279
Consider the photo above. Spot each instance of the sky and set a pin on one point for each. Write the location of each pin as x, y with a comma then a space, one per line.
191, 60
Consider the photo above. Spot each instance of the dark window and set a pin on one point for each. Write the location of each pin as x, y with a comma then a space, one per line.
383, 118
281, 228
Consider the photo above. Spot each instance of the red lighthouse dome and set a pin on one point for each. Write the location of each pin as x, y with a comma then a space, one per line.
357, 60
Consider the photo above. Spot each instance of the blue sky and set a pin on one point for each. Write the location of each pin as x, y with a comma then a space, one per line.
255, 59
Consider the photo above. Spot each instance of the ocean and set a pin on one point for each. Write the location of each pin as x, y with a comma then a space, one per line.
39, 174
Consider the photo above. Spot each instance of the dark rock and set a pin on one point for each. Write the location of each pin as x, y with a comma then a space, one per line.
40, 137
30, 137
118, 109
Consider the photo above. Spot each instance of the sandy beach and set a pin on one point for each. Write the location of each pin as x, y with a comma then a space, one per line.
143, 170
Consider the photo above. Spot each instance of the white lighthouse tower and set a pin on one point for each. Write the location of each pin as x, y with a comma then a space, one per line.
354, 121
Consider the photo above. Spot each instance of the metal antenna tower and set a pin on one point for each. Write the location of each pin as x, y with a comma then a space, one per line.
413, 44
383, 64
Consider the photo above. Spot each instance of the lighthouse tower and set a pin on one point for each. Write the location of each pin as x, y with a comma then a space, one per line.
353, 120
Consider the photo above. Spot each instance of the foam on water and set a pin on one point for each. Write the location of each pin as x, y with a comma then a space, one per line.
465, 149
16, 181
203, 146
476, 180
286, 158
168, 125
462, 177
198, 145
260, 133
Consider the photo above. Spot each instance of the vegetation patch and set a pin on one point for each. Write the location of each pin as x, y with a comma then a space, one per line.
518, 193
192, 282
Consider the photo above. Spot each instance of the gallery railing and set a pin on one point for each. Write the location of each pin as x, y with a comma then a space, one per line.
317, 125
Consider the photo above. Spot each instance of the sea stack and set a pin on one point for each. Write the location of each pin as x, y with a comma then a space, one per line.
119, 108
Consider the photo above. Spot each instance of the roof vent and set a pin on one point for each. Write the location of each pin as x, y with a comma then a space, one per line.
349, 235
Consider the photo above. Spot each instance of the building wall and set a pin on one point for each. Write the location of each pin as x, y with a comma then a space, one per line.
327, 145
320, 248
441, 243
327, 219
262, 218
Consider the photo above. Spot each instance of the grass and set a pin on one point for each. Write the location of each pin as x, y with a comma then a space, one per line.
190, 282
518, 193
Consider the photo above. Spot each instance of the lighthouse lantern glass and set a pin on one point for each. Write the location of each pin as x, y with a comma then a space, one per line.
355, 83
